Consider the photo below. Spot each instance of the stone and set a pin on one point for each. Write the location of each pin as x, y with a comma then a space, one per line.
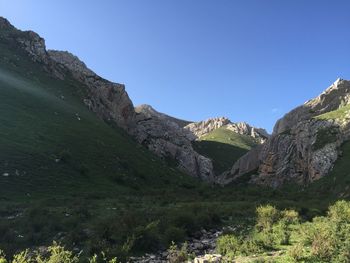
199, 129
209, 258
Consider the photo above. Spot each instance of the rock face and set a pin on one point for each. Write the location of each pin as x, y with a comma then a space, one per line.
160, 133
337, 95
302, 148
202, 128
108, 100
167, 139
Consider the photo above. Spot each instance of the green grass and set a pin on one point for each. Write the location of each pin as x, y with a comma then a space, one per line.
224, 147
340, 114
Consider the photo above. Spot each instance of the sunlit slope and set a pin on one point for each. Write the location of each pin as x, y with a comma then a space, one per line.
224, 147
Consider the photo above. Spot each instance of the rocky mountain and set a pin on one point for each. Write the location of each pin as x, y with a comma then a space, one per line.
199, 129
305, 144
160, 133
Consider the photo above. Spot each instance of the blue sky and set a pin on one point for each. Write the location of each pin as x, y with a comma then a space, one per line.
194, 59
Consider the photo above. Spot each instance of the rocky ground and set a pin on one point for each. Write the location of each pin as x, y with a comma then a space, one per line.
202, 246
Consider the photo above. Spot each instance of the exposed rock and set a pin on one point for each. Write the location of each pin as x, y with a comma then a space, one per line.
244, 128
302, 148
167, 140
202, 128
108, 100
203, 247
332, 98
209, 258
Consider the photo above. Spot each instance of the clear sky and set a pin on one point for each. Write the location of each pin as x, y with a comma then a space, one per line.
194, 59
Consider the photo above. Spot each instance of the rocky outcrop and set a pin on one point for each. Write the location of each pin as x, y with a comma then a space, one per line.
108, 100
202, 128
303, 148
244, 128
168, 140
337, 95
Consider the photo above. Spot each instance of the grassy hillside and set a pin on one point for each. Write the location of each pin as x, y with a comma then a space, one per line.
224, 147
63, 170
65, 175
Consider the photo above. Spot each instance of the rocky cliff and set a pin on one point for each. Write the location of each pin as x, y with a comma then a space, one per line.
305, 144
160, 133
199, 129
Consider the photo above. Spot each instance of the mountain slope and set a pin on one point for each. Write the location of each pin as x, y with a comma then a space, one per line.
223, 141
51, 141
306, 142
224, 147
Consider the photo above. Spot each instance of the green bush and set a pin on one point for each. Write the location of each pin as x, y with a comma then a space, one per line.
266, 216
296, 252
228, 245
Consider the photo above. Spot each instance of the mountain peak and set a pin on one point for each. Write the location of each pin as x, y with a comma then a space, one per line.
4, 23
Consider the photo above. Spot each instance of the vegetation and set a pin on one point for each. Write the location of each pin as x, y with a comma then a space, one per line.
324, 239
224, 147
54, 254
340, 114
325, 136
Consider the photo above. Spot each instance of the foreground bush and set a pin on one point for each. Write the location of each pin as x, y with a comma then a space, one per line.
325, 239
329, 237
55, 254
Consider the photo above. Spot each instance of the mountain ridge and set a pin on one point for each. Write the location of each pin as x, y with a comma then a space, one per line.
304, 146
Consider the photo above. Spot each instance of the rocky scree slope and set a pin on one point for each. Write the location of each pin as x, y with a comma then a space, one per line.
305, 144
111, 102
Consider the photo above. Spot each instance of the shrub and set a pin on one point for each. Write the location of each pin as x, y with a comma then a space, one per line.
228, 245
340, 212
297, 252
147, 238
176, 255
2, 257
266, 217
58, 255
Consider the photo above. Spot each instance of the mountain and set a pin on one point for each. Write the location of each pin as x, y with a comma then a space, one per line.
305, 145
64, 130
79, 164
202, 128
223, 141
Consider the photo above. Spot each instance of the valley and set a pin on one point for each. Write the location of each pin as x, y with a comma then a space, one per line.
83, 167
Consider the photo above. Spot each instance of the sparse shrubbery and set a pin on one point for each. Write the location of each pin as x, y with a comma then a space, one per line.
272, 228
325, 239
329, 237
55, 254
